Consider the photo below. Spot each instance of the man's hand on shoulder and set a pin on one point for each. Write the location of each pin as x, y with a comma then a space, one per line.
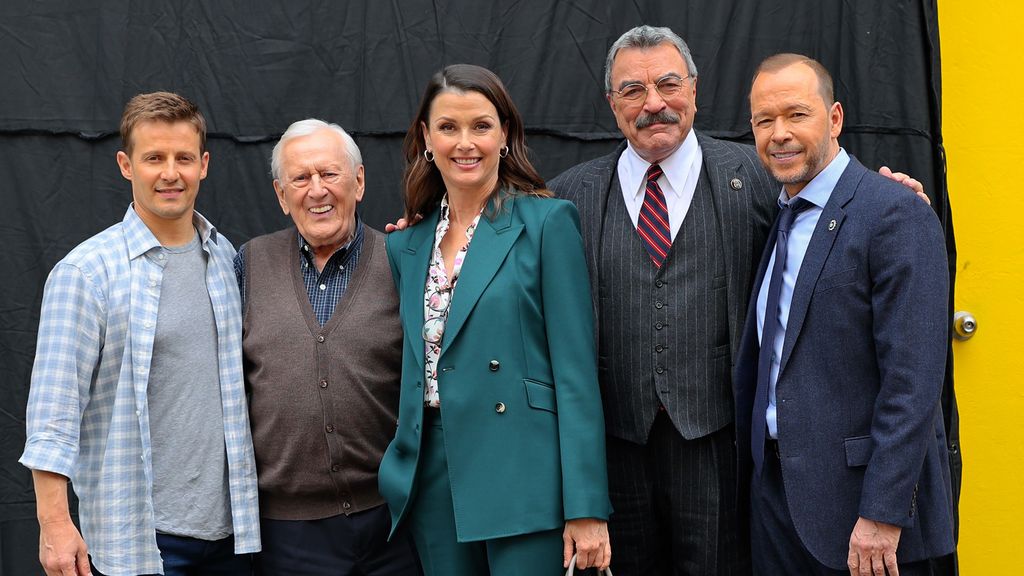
873, 548
62, 552
402, 224
907, 181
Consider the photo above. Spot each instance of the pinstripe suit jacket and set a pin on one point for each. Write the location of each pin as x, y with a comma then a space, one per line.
743, 197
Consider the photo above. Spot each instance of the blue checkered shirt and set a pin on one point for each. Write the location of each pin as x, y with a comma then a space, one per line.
88, 416
324, 288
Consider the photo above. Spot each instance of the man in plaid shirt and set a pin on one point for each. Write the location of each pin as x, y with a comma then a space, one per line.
137, 392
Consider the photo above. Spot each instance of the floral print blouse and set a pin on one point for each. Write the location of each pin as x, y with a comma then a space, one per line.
437, 297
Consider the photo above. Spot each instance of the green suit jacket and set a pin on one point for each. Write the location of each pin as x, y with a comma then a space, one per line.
517, 375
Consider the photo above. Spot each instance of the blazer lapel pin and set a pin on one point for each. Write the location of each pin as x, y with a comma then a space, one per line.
832, 225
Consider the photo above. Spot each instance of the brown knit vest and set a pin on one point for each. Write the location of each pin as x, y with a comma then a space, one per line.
323, 400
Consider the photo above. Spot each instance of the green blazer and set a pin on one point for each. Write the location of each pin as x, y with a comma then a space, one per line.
517, 375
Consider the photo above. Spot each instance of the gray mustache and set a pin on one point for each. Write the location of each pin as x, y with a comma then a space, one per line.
663, 117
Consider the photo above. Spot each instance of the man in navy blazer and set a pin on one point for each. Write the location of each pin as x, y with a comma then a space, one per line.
840, 416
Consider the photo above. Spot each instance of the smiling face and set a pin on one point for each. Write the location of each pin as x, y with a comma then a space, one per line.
319, 189
796, 134
655, 126
465, 134
165, 167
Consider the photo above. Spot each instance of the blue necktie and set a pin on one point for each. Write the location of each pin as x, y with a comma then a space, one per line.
759, 427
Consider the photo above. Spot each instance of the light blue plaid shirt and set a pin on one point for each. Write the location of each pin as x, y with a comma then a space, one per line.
88, 416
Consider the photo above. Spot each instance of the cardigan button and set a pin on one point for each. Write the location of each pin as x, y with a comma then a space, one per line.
320, 338
499, 407
494, 365
323, 383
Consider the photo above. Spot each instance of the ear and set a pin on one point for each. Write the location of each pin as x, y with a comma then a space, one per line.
206, 165
504, 133
279, 189
125, 164
611, 101
835, 119
426, 135
360, 184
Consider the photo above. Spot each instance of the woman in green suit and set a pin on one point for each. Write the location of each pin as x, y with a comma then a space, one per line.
498, 463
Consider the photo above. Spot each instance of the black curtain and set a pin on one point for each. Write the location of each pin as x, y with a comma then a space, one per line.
256, 66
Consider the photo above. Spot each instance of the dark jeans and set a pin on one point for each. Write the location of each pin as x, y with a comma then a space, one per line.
185, 556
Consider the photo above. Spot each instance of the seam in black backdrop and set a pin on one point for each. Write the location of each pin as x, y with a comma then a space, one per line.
256, 66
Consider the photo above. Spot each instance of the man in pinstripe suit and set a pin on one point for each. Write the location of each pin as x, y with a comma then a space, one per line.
669, 317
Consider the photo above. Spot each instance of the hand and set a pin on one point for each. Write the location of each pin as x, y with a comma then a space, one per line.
62, 552
402, 224
907, 181
873, 548
590, 537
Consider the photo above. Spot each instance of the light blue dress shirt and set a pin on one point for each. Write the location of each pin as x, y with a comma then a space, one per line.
88, 415
817, 192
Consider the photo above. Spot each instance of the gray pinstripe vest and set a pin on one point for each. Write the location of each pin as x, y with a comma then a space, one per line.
664, 337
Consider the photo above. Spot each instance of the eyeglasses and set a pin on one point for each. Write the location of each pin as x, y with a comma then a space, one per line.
303, 181
668, 87
438, 301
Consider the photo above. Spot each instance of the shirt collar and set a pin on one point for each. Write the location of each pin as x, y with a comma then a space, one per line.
819, 189
140, 239
676, 167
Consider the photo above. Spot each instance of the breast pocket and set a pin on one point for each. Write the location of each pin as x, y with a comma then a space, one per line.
836, 280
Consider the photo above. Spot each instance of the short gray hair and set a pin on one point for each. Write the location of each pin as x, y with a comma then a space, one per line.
305, 128
645, 37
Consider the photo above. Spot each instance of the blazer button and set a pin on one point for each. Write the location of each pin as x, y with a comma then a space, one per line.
499, 407
494, 365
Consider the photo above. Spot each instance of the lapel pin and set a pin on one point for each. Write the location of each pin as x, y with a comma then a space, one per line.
736, 184
832, 225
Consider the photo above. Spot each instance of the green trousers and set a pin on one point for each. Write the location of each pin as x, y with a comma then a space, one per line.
432, 522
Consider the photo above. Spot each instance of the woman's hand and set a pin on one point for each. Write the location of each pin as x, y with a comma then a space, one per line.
589, 536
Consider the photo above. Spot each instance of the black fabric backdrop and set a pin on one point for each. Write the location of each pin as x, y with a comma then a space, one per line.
68, 67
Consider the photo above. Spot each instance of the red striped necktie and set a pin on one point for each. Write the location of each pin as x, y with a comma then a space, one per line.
652, 225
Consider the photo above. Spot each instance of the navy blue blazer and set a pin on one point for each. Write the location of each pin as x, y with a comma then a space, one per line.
860, 426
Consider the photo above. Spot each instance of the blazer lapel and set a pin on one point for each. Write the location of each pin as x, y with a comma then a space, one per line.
822, 240
415, 261
491, 242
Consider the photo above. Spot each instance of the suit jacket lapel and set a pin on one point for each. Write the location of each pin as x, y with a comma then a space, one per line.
491, 242
730, 208
415, 261
822, 240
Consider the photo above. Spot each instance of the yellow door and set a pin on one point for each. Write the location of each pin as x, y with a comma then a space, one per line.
983, 130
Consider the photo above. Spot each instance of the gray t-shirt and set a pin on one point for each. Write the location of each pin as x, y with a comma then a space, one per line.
190, 475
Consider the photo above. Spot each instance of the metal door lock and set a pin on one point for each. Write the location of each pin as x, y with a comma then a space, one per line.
964, 325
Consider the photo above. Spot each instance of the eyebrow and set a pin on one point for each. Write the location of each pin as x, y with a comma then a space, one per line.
675, 75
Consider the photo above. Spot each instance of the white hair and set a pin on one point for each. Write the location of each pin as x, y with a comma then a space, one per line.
305, 128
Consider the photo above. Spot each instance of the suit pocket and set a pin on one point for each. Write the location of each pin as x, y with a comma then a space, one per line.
540, 395
858, 450
826, 283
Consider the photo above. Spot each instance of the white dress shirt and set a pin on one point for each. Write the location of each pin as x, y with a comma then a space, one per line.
678, 181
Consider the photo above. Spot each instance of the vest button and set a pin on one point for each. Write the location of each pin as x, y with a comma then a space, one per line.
659, 305
346, 505
659, 283
320, 338
330, 428
658, 325
659, 348
335, 467
323, 383
660, 369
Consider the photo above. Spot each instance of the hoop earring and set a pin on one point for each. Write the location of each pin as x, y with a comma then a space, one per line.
504, 151
428, 155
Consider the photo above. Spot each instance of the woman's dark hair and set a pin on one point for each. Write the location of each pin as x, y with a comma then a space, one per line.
422, 180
